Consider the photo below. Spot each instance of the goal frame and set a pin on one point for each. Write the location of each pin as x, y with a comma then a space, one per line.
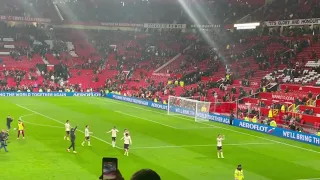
196, 113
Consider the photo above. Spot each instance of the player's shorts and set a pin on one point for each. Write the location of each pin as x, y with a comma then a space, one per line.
88, 138
126, 146
113, 138
68, 132
219, 148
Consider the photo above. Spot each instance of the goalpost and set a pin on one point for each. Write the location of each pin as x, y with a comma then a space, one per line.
189, 107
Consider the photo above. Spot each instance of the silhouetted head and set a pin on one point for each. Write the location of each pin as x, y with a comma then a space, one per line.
145, 174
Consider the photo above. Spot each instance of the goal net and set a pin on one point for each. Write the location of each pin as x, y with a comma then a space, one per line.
189, 107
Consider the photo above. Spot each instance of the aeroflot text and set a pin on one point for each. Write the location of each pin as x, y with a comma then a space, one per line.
253, 126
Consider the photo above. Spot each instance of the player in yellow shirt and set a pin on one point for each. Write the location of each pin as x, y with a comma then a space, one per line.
203, 109
20, 129
238, 174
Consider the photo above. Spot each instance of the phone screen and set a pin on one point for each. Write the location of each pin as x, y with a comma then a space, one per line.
109, 168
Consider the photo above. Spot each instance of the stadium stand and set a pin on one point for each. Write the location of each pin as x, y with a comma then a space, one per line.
210, 61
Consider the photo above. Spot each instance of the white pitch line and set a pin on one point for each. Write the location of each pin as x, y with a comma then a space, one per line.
200, 145
35, 112
43, 125
227, 129
310, 179
145, 119
25, 115
197, 128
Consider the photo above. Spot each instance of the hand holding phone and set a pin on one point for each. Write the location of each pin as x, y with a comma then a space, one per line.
109, 168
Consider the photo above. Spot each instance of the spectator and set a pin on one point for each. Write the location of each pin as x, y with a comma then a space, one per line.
145, 174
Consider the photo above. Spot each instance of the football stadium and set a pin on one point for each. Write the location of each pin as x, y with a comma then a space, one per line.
176, 147
160, 89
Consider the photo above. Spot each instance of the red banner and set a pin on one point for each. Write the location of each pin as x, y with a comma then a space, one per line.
27, 19
267, 102
251, 106
308, 118
253, 84
293, 87
316, 110
212, 79
227, 107
289, 97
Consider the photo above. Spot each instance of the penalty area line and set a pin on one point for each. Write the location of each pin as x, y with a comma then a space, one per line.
145, 119
43, 115
200, 145
310, 179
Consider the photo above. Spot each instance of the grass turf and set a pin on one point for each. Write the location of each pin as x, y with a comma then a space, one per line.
176, 147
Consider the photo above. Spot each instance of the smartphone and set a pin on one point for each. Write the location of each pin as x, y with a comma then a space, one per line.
109, 168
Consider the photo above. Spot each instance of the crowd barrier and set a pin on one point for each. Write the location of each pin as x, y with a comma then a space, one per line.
311, 119
280, 96
316, 110
300, 88
284, 133
279, 132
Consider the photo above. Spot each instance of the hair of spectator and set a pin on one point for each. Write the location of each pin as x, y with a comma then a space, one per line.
145, 174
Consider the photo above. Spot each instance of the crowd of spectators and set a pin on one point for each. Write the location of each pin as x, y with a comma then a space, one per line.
16, 74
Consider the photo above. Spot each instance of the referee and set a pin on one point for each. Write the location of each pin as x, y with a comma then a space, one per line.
72, 139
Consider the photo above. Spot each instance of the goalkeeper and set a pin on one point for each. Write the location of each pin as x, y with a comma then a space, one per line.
238, 174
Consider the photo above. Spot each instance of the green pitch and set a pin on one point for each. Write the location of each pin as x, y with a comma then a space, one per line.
176, 147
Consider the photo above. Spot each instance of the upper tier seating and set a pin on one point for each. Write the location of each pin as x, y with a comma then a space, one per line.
157, 11
29, 8
284, 10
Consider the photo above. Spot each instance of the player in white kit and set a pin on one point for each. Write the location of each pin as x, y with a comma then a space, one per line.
67, 127
126, 131
127, 142
220, 138
86, 136
113, 132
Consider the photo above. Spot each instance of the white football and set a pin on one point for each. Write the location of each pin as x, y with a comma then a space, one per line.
14, 128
